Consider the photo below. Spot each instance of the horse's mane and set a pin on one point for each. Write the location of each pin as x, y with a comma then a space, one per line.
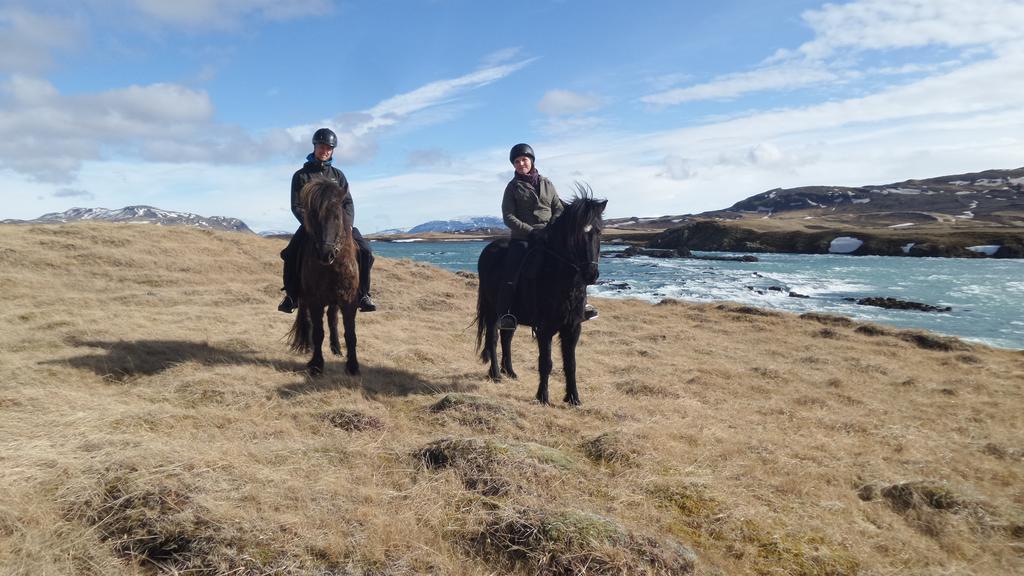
321, 196
582, 210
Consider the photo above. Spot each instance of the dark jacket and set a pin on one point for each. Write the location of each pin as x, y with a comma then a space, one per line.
524, 209
316, 169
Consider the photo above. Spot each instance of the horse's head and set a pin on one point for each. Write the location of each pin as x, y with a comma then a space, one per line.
324, 220
578, 231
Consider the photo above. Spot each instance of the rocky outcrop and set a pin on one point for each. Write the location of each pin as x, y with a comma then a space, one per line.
710, 235
896, 304
633, 251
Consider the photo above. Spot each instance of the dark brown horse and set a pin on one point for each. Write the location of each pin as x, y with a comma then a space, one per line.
329, 276
551, 294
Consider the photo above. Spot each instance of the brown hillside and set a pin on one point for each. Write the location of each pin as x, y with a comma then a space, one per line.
152, 421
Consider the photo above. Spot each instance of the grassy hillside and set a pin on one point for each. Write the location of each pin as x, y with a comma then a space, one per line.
154, 422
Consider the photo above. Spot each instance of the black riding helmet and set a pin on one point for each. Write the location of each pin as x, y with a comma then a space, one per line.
521, 150
325, 136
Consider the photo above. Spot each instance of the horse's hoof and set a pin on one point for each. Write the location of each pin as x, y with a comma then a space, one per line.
336, 350
543, 400
510, 373
496, 378
316, 370
572, 400
353, 370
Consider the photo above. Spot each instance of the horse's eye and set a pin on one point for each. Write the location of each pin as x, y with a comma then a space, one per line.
588, 228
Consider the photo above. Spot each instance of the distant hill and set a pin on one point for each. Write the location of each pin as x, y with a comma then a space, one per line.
462, 224
139, 215
964, 215
992, 197
484, 225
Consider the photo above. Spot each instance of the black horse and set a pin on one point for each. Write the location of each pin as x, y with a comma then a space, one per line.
330, 277
551, 293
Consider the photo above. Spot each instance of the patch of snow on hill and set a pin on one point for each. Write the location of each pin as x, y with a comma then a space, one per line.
860, 200
904, 225
906, 191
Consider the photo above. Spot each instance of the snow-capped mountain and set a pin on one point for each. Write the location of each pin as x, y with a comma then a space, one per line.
139, 215
461, 224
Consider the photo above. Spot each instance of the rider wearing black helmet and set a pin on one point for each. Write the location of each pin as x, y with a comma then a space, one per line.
318, 165
530, 203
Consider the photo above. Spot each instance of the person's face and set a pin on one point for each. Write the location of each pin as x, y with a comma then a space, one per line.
322, 152
523, 165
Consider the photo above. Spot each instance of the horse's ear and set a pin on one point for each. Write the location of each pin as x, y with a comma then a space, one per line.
602, 204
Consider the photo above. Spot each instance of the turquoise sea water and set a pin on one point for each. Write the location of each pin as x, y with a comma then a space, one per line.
986, 295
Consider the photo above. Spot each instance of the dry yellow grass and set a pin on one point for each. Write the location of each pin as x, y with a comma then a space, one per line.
152, 420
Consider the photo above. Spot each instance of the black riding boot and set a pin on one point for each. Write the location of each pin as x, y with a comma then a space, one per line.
290, 271
365, 257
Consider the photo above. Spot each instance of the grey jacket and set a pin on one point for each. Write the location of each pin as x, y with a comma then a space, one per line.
524, 209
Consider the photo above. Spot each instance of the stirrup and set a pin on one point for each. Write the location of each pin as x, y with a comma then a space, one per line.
589, 312
507, 322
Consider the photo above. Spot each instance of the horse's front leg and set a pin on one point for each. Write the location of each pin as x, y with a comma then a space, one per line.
316, 316
332, 325
348, 318
543, 363
506, 353
570, 336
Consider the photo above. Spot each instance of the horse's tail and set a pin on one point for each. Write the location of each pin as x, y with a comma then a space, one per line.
301, 332
480, 323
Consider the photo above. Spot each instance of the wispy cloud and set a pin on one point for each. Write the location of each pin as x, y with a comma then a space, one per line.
886, 24
842, 32
358, 131
227, 13
566, 102
778, 77
74, 193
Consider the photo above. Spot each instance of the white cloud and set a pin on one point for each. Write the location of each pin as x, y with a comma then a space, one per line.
885, 24
779, 77
501, 56
678, 168
73, 193
27, 39
358, 131
565, 103
227, 13
169, 123
47, 135
843, 31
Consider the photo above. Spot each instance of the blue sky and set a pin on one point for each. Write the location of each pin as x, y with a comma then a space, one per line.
666, 107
